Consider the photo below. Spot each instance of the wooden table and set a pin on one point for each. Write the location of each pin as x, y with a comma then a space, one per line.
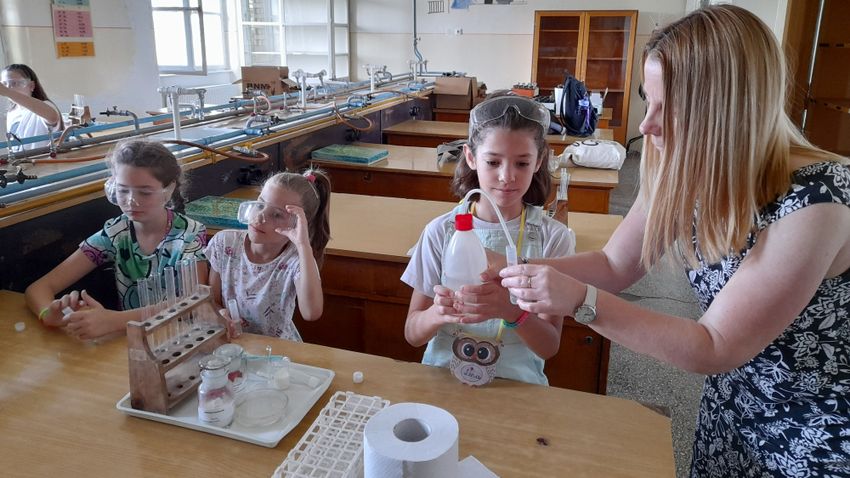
412, 172
58, 417
435, 133
366, 303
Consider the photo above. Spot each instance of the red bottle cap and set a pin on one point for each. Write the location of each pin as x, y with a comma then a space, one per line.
463, 222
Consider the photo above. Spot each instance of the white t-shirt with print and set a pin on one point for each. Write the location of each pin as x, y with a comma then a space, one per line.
265, 293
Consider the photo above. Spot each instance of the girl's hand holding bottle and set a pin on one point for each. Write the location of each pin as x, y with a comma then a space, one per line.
485, 301
444, 302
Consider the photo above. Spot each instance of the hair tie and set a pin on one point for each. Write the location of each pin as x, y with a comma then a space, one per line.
310, 177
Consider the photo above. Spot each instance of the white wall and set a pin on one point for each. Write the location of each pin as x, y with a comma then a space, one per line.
123, 71
496, 43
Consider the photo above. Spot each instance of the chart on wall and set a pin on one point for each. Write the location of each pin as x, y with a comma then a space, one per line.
72, 28
465, 4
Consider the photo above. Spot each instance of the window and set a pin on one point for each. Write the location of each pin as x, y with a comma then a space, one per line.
184, 44
308, 34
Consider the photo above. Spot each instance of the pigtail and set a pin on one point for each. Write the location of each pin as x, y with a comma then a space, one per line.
320, 226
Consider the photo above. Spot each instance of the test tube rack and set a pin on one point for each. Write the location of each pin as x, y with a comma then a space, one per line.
333, 445
160, 379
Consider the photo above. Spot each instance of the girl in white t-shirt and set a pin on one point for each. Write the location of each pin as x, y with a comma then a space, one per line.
506, 157
32, 113
276, 260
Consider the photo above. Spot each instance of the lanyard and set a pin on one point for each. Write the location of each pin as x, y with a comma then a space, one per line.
520, 237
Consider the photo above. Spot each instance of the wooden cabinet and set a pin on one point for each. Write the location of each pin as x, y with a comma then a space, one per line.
595, 47
827, 120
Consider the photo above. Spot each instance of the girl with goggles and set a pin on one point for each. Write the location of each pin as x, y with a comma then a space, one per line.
150, 235
506, 157
32, 113
273, 266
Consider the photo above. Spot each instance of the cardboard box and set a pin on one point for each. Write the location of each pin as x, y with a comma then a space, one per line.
455, 93
273, 80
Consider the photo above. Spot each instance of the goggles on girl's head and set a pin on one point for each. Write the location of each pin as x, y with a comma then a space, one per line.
495, 108
119, 195
251, 212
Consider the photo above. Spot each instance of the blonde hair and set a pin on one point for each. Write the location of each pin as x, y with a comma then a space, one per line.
728, 138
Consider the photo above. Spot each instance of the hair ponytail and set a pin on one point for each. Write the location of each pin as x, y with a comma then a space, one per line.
320, 224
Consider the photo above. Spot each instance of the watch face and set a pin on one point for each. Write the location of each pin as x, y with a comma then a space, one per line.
585, 314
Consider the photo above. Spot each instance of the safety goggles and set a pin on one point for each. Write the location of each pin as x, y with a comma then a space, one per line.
252, 212
18, 83
496, 108
125, 195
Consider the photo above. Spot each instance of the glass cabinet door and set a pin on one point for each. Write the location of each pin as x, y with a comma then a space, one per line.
607, 62
556, 49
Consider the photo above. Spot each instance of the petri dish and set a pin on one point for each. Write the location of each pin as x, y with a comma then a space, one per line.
260, 407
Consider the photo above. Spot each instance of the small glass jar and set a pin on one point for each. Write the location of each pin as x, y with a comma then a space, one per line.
236, 371
216, 400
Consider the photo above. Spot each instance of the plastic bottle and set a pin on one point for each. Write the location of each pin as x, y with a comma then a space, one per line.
465, 259
216, 402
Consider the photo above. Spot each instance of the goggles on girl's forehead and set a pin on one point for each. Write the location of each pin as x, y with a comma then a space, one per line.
251, 212
119, 194
495, 108
18, 83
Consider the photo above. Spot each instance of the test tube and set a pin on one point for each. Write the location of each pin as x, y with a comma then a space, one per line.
171, 298
170, 286
193, 289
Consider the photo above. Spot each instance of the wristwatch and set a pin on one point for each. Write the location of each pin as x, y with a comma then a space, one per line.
586, 313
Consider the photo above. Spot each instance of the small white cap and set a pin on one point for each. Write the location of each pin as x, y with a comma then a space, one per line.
66, 312
20, 326
357, 377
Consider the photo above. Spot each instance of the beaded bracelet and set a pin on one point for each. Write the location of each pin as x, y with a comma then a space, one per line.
519, 320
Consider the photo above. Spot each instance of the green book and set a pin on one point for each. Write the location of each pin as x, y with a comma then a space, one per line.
217, 212
350, 154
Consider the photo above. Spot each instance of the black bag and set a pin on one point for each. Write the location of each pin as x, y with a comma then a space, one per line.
577, 114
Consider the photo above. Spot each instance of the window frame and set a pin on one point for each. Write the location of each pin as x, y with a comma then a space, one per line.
283, 24
191, 68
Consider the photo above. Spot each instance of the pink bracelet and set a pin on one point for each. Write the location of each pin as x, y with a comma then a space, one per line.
519, 320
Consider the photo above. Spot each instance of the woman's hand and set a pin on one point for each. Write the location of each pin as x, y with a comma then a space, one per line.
300, 234
92, 320
543, 290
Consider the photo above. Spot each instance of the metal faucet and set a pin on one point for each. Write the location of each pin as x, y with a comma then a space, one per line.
301, 77
376, 74
116, 112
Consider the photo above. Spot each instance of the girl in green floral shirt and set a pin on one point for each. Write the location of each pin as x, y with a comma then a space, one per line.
150, 235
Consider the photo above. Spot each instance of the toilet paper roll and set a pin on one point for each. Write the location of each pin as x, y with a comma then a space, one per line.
410, 440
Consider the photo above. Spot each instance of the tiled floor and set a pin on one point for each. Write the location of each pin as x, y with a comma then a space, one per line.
642, 378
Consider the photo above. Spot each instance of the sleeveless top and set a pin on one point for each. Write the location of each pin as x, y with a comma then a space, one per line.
786, 412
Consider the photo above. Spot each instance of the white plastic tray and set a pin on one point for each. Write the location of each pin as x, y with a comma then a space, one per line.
301, 400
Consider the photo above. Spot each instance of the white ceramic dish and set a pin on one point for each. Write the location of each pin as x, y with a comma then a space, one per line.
301, 399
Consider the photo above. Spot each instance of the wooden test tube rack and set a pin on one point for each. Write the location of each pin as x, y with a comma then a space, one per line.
161, 380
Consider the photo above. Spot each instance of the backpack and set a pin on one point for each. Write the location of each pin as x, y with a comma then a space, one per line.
577, 114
